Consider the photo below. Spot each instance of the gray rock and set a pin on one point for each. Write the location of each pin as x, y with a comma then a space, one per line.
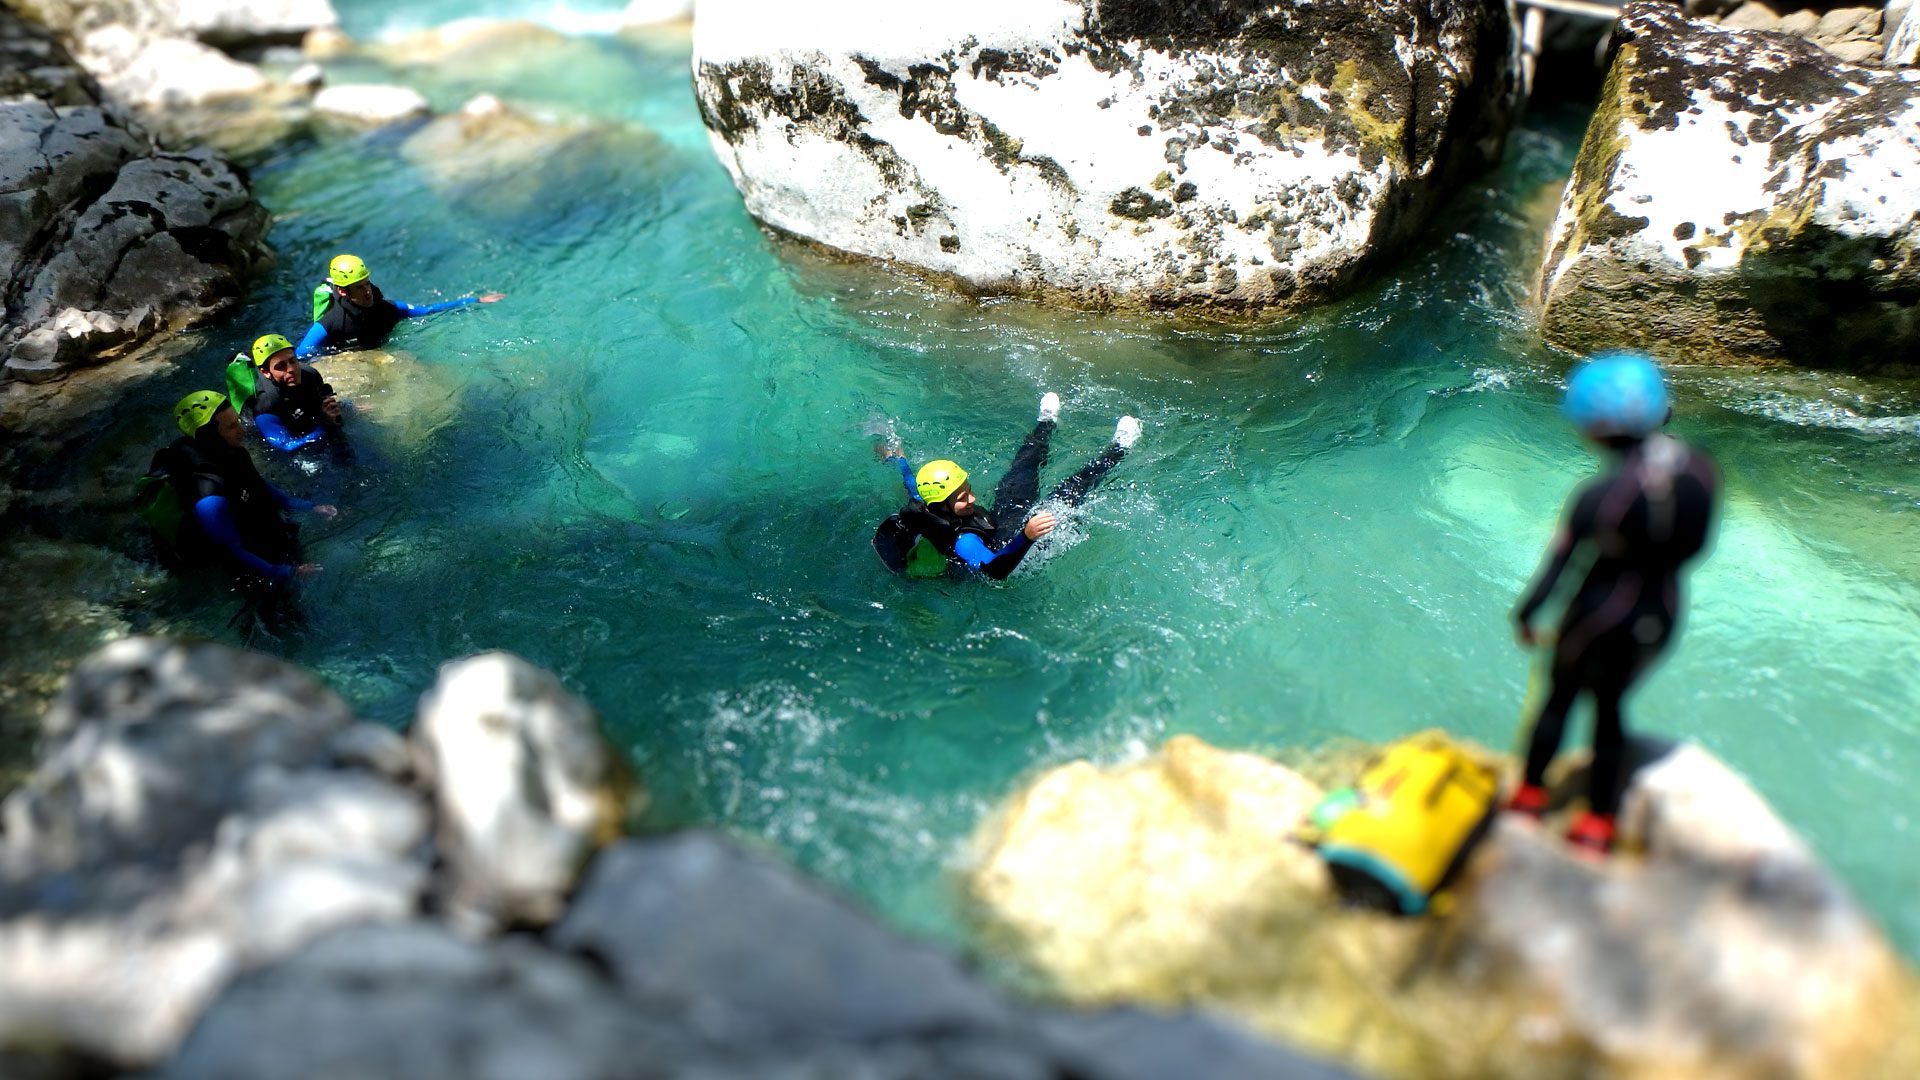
184, 821
154, 74
1132, 1044
1724, 170
685, 920
379, 750
526, 785
411, 1001
1213, 154
1841, 24
106, 241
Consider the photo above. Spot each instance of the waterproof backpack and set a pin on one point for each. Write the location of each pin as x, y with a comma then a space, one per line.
906, 551
322, 299
1399, 836
156, 498
240, 383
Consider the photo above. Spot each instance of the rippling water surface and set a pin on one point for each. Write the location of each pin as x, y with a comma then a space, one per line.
647, 471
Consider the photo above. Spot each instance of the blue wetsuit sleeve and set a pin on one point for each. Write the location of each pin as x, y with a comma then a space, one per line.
316, 335
216, 521
287, 502
906, 478
413, 312
278, 437
995, 564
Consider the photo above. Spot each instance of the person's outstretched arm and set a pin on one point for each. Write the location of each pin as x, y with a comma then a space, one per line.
274, 430
413, 312
906, 477
309, 345
216, 521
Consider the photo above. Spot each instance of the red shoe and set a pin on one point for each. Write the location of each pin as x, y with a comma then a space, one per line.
1529, 799
1591, 833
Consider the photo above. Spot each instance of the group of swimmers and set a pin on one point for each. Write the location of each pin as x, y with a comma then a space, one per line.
205, 500
1626, 536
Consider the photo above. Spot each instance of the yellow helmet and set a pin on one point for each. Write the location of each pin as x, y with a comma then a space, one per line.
344, 270
938, 480
266, 345
194, 410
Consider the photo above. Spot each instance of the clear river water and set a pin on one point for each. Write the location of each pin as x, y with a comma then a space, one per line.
650, 470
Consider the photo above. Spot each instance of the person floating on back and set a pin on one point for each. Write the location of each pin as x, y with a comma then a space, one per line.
288, 401
350, 312
1634, 527
944, 529
207, 503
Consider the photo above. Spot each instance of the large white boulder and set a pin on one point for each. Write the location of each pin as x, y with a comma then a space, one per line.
1216, 154
161, 73
1741, 196
527, 788
370, 105
219, 22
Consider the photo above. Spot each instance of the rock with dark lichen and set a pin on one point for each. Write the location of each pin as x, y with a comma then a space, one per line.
1225, 155
1741, 196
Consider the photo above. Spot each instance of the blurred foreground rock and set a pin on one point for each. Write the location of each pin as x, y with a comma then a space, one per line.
1211, 155
107, 239
1725, 950
215, 872
1741, 196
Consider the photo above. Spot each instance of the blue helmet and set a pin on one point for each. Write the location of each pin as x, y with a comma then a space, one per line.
1617, 393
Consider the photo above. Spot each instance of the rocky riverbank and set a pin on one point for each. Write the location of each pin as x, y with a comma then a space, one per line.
215, 871
109, 237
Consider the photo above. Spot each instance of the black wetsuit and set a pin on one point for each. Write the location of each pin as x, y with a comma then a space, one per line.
233, 515
990, 542
349, 326
1639, 525
288, 416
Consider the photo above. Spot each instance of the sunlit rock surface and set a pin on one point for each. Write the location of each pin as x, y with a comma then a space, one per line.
218, 22
1227, 154
1725, 951
525, 785
1741, 197
186, 818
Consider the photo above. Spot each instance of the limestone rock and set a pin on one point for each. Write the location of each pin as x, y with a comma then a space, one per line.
412, 1000
526, 785
106, 240
1740, 197
1752, 15
1182, 851
1855, 52
466, 43
370, 105
227, 23
1211, 155
1902, 37
184, 820
1671, 963
162, 73
681, 918
1842, 24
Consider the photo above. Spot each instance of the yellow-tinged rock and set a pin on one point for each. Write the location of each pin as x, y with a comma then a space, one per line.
1172, 881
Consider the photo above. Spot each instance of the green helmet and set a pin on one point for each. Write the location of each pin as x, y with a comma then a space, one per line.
938, 480
344, 270
196, 409
266, 345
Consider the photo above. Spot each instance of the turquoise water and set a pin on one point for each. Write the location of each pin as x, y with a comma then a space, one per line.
648, 471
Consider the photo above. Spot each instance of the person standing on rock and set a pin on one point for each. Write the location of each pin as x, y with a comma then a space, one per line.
1634, 528
350, 312
221, 509
290, 404
942, 528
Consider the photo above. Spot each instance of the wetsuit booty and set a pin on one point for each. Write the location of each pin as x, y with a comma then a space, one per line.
1529, 799
1591, 834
